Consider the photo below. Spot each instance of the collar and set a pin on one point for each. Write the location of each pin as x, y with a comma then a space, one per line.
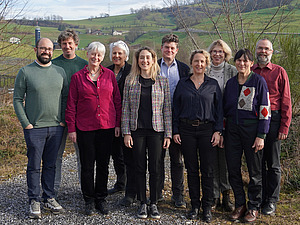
174, 63
43, 65
269, 66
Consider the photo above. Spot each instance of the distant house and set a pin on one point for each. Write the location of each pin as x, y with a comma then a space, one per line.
115, 33
14, 40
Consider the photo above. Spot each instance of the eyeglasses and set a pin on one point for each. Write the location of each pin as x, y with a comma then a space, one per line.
45, 49
217, 52
262, 48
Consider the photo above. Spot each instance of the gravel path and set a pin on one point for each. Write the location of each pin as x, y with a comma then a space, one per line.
14, 203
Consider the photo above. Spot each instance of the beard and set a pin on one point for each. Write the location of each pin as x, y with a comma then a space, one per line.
42, 59
263, 59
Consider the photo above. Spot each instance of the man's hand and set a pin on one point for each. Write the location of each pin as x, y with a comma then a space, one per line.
282, 136
29, 127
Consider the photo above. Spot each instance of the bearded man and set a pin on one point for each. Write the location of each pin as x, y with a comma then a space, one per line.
44, 88
281, 115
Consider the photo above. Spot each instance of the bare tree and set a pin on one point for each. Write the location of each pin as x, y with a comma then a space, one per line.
228, 18
11, 35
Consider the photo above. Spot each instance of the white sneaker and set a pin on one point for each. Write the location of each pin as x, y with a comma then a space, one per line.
35, 210
52, 205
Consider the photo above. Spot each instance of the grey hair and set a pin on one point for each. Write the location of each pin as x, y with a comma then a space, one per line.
120, 44
264, 39
97, 47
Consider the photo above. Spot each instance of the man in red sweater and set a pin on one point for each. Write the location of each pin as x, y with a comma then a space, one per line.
281, 111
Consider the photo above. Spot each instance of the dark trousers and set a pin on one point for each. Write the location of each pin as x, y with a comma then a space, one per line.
118, 160
42, 145
147, 143
271, 171
221, 181
130, 190
195, 144
94, 146
177, 167
239, 140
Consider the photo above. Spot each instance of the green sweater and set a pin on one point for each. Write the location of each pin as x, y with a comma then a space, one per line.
45, 91
70, 66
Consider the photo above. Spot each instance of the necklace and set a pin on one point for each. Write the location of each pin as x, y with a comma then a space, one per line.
94, 74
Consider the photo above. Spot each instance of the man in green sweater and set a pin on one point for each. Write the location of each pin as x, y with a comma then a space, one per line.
44, 88
71, 63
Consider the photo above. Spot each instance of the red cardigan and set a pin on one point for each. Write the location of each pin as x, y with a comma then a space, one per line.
90, 107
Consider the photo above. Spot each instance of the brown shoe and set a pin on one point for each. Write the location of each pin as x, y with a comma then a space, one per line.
238, 213
251, 215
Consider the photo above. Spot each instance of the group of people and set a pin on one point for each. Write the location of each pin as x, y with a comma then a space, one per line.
207, 119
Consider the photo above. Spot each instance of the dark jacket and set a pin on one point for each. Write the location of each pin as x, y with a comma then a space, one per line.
183, 69
121, 82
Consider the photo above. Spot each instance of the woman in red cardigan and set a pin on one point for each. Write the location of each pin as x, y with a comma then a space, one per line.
93, 116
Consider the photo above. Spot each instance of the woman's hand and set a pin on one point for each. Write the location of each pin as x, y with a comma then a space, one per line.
73, 137
221, 143
128, 141
177, 139
117, 131
258, 144
167, 142
62, 124
215, 139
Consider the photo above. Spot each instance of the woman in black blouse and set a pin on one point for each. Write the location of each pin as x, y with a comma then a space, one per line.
197, 126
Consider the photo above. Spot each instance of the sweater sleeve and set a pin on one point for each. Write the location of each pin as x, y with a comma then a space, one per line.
264, 108
64, 97
218, 126
18, 99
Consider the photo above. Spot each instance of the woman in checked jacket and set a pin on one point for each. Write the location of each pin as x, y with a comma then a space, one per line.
146, 124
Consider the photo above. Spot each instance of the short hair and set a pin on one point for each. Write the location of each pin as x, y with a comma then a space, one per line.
203, 52
97, 47
264, 39
224, 45
66, 34
120, 44
170, 38
244, 52
38, 41
136, 70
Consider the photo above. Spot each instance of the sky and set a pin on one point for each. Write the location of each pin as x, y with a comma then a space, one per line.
83, 9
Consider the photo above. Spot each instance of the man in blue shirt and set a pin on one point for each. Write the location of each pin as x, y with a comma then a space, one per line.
174, 70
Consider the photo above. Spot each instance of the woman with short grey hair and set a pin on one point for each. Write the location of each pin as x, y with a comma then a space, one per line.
122, 156
93, 116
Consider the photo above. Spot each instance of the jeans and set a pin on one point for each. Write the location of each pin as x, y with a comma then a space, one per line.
118, 160
42, 145
195, 145
59, 161
94, 146
239, 140
271, 171
147, 144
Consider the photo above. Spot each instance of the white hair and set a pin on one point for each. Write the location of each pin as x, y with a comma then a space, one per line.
265, 39
96, 47
120, 44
